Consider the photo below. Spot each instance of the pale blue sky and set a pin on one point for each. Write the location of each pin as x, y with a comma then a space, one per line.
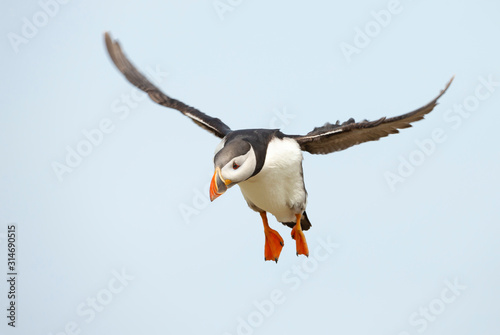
127, 242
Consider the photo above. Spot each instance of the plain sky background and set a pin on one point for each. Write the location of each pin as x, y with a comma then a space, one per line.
138, 202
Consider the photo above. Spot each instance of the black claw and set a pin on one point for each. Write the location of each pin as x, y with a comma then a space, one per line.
282, 244
276, 260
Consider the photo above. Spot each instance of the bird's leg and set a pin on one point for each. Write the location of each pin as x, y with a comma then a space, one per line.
300, 239
274, 242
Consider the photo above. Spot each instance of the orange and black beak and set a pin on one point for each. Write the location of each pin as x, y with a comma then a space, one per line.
218, 185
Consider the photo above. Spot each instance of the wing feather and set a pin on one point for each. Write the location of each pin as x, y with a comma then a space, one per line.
335, 137
214, 125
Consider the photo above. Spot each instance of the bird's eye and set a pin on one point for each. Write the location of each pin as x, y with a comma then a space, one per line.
235, 166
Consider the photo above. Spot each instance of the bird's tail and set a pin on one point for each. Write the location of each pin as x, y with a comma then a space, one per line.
304, 222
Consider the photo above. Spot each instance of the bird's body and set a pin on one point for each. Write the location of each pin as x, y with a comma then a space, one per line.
279, 187
267, 164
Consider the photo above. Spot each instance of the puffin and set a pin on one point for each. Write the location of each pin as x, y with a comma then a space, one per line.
267, 164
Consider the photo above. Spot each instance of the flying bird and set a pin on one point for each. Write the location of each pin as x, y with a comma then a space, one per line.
266, 163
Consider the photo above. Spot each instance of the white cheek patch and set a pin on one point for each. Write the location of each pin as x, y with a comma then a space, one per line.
246, 169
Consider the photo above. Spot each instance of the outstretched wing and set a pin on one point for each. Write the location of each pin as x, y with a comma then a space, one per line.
137, 79
336, 137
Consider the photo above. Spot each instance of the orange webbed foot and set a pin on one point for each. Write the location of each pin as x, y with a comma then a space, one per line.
274, 242
300, 239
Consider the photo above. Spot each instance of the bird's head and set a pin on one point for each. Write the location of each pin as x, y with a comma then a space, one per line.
234, 162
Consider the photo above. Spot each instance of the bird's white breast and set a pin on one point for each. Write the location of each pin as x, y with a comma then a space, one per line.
279, 187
